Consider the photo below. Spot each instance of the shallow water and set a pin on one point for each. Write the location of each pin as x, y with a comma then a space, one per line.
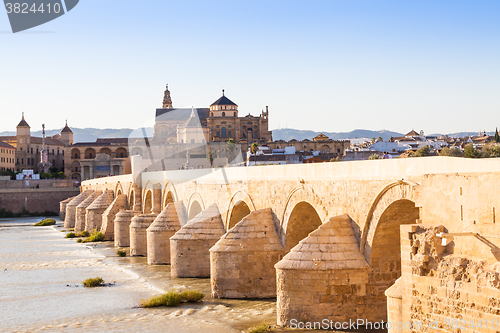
40, 289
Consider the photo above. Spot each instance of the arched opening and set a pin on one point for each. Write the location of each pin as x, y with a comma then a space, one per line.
303, 220
169, 198
131, 200
137, 151
240, 210
148, 202
325, 149
76, 176
121, 153
106, 151
75, 167
75, 153
385, 255
89, 153
194, 210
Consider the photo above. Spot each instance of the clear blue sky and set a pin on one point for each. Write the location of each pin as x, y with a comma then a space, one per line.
319, 65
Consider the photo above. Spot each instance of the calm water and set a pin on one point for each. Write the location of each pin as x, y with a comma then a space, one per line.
40, 289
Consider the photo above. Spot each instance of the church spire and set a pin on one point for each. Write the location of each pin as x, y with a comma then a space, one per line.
167, 101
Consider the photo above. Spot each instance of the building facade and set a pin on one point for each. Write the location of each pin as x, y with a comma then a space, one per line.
65, 155
7, 156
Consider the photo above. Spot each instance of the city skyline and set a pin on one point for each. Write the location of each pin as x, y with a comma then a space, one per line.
321, 66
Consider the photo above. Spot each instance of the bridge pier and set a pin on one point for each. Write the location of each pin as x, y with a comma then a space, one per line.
81, 211
138, 236
69, 219
325, 277
93, 217
122, 227
242, 261
190, 246
165, 225
62, 208
108, 217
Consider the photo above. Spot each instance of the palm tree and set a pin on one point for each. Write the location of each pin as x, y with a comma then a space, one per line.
210, 157
254, 148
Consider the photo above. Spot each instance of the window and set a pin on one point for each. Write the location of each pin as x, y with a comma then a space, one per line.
223, 132
121, 154
235, 114
217, 134
52, 151
217, 126
58, 152
192, 140
32, 161
223, 123
229, 126
32, 150
244, 127
249, 124
223, 114
338, 150
229, 134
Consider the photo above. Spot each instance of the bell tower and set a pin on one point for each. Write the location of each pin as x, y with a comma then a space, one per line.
167, 100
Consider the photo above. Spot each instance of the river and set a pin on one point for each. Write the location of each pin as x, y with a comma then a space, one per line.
41, 275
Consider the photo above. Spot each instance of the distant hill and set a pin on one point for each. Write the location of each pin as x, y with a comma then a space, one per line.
91, 134
288, 134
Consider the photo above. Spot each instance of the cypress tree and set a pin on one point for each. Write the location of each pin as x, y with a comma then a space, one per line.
497, 138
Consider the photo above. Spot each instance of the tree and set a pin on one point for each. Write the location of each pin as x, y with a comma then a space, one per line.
374, 157
497, 137
230, 145
254, 148
210, 158
491, 150
334, 159
451, 152
380, 139
471, 152
422, 151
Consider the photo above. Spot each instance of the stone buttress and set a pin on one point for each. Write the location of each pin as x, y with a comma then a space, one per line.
81, 211
138, 236
62, 208
242, 261
69, 219
122, 227
165, 225
324, 277
93, 217
108, 217
190, 246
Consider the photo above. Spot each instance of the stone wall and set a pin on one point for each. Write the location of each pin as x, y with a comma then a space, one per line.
443, 291
35, 200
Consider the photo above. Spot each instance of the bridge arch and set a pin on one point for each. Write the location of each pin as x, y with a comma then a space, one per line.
301, 201
195, 205
303, 220
240, 205
118, 189
148, 201
169, 194
402, 194
131, 196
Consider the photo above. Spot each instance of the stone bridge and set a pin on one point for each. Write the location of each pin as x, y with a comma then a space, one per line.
327, 239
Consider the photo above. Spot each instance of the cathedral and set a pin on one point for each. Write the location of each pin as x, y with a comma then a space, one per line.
218, 123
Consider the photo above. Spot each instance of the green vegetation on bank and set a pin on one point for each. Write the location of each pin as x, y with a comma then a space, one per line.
121, 253
46, 222
93, 282
84, 233
173, 298
95, 236
261, 328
